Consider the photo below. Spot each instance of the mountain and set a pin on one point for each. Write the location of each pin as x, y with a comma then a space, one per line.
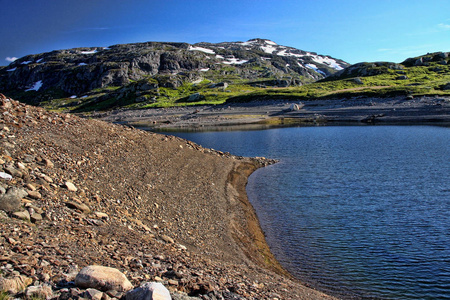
147, 73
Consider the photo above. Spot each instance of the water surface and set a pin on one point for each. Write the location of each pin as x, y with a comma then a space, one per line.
358, 211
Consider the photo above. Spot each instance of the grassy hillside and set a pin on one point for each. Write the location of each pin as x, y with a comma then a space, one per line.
424, 75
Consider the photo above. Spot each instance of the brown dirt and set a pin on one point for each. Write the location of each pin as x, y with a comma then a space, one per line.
175, 212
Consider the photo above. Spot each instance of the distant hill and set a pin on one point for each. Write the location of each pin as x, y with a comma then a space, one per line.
147, 73
157, 74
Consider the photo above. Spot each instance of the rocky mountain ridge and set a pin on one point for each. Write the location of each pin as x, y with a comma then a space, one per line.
77, 72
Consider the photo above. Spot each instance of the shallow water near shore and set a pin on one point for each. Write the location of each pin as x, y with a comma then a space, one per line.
355, 211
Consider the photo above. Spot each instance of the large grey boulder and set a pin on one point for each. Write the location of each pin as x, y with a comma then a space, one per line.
12, 200
103, 279
149, 291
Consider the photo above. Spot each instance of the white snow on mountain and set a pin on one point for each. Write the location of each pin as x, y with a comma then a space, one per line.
26, 62
201, 49
204, 70
219, 56
11, 70
234, 61
327, 61
270, 42
285, 53
89, 52
314, 67
269, 48
36, 86
82, 64
39, 60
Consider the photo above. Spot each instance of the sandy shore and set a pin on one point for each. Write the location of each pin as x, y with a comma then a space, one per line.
397, 110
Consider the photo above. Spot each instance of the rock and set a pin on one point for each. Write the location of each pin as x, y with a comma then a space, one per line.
357, 80
23, 215
101, 215
12, 200
149, 291
34, 195
35, 217
70, 186
15, 285
446, 87
92, 294
403, 77
103, 279
80, 206
13, 172
39, 292
196, 97
5, 176
48, 163
167, 239
295, 107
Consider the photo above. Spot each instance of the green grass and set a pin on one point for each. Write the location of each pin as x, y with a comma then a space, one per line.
421, 80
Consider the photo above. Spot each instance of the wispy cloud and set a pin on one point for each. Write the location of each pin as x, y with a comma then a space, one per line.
10, 59
444, 26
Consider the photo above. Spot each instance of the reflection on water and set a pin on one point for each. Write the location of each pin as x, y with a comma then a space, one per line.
362, 211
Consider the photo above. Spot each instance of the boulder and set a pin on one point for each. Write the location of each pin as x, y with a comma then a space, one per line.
295, 107
39, 292
149, 291
103, 279
196, 97
80, 206
70, 186
23, 215
15, 285
12, 200
357, 80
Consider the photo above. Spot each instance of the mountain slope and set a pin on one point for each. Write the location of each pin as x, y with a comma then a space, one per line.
130, 73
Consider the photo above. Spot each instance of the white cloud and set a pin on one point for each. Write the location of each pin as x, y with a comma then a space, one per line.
11, 59
444, 26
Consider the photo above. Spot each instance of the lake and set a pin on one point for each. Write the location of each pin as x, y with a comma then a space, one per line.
354, 211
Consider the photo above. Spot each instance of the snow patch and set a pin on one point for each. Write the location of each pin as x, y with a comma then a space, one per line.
39, 60
235, 61
201, 49
36, 86
26, 62
204, 70
268, 49
82, 64
89, 52
327, 61
73, 97
314, 67
285, 53
247, 43
11, 70
270, 42
219, 56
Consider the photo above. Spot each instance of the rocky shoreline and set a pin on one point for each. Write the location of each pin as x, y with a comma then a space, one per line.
266, 113
76, 193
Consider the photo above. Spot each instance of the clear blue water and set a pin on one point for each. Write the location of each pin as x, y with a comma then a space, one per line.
356, 211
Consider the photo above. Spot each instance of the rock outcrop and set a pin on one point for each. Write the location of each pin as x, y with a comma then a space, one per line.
143, 67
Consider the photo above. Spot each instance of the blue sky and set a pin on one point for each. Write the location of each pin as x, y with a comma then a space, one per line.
352, 30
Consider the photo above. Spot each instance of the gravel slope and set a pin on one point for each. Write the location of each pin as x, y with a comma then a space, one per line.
158, 208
